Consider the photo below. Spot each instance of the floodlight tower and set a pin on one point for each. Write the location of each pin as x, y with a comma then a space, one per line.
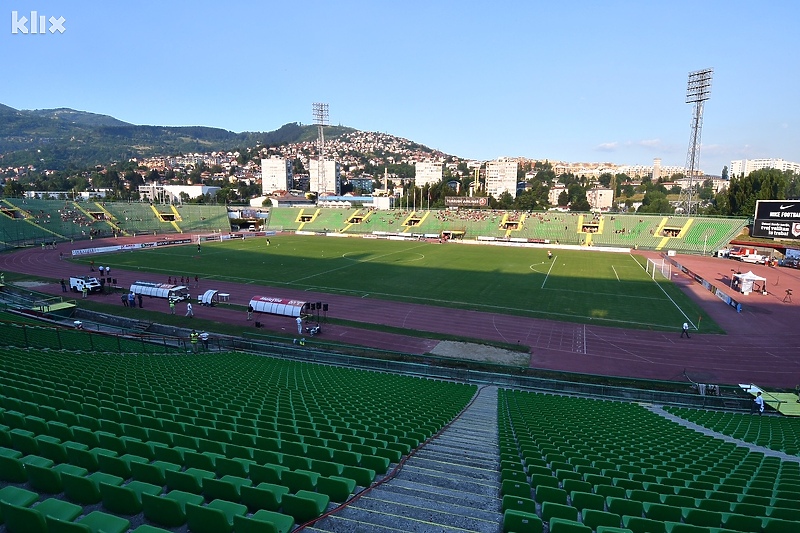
698, 91
320, 111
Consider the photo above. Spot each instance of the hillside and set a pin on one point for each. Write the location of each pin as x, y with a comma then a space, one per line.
61, 138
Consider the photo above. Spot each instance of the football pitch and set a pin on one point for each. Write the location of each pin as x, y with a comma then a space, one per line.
610, 289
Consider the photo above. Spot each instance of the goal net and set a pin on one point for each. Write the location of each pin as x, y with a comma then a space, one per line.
661, 268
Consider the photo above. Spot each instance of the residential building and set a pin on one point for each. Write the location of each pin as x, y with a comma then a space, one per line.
276, 175
600, 198
501, 176
554, 192
426, 172
741, 167
330, 183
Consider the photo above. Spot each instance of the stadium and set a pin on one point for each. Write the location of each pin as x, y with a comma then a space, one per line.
475, 371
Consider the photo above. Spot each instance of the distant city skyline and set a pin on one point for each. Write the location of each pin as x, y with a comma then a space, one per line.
577, 81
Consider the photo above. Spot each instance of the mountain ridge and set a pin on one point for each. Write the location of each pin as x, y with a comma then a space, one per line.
61, 138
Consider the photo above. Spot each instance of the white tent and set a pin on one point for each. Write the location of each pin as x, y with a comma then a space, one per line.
209, 298
277, 306
749, 282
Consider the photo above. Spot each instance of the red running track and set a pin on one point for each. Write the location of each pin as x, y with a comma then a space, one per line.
761, 345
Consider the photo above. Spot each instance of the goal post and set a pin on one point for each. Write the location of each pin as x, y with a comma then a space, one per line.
662, 267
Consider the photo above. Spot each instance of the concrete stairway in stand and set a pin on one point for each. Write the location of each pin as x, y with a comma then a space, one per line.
450, 485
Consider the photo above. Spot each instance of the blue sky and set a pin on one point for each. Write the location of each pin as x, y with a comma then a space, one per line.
572, 80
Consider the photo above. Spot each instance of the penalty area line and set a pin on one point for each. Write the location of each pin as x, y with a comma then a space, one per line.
549, 269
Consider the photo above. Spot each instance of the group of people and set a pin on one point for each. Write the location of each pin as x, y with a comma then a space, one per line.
184, 280
195, 337
129, 300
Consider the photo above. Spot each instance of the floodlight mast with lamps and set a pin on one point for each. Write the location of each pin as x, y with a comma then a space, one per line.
320, 112
698, 90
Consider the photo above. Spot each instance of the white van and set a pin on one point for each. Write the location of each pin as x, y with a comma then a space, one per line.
77, 283
161, 290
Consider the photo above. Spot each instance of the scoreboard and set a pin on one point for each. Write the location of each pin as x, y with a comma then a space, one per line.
777, 219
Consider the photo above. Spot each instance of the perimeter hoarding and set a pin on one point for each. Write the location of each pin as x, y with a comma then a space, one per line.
777, 219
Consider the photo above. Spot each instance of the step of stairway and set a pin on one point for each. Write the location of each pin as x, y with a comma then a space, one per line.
450, 485
408, 519
440, 494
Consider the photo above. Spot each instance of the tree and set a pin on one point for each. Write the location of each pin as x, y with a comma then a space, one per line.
13, 188
506, 201
725, 172
655, 202
563, 198
766, 184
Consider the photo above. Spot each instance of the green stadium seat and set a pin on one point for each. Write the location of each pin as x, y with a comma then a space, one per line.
777, 525
637, 524
47, 479
610, 491
562, 525
264, 496
118, 466
153, 473
644, 496
169, 509
267, 473
721, 506
556, 510
16, 496
24, 441
12, 469
227, 488
87, 458
86, 489
190, 480
127, 499
594, 518
216, 517
94, 522
519, 503
586, 500
624, 507
679, 527
521, 522
739, 522
304, 505
677, 500
33, 519
233, 466
545, 493
702, 517
147, 528
362, 476
573, 485
263, 522
337, 488
785, 513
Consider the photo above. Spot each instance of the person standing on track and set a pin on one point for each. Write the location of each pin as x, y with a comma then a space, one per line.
685, 330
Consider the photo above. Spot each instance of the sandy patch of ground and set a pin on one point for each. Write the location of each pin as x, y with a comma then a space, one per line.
480, 352
31, 284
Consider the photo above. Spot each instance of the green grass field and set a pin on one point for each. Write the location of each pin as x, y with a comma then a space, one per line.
578, 286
